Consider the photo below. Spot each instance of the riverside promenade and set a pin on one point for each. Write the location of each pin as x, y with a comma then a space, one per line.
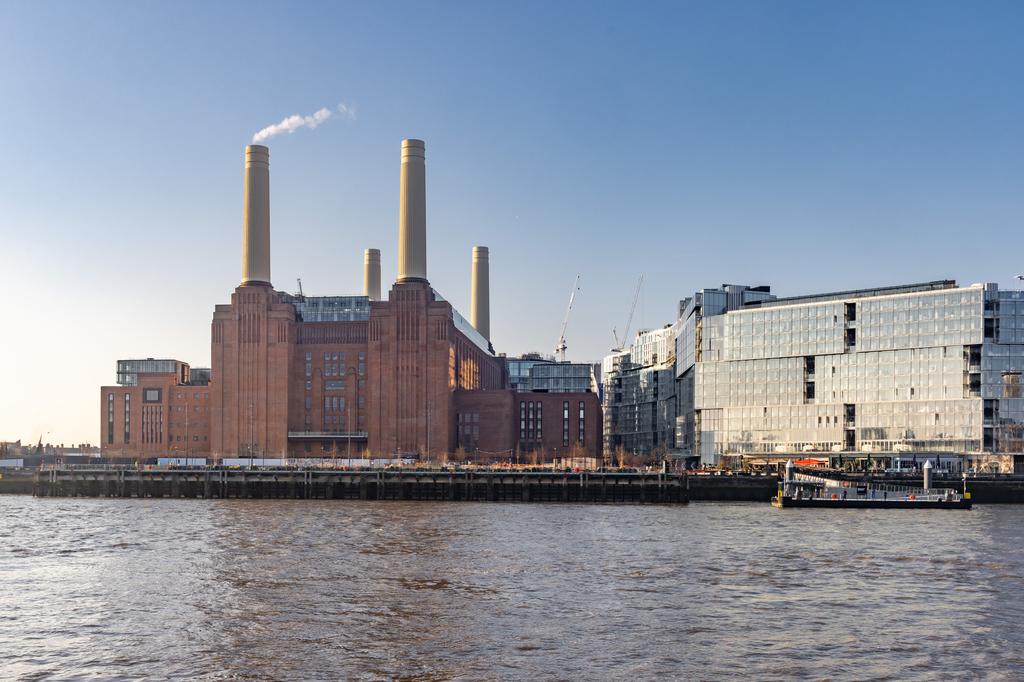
371, 484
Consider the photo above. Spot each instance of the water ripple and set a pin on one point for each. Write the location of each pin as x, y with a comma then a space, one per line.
303, 590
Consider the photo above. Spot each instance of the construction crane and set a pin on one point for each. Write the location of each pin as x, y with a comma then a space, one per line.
560, 346
301, 295
629, 320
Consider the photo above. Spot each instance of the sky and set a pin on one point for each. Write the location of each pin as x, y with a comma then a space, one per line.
810, 146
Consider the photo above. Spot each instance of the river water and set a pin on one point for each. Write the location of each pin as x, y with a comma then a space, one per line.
302, 590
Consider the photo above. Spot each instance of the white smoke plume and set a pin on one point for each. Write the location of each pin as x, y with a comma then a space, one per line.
295, 121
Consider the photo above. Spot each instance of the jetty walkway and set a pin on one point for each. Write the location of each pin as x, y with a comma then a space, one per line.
369, 484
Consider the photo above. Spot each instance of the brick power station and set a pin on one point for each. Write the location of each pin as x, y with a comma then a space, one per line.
297, 376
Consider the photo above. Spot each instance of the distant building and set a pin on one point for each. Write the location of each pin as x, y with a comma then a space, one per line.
639, 404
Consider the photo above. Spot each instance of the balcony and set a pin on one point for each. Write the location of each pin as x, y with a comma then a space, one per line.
327, 435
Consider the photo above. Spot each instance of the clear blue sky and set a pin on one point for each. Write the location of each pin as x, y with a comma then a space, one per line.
810, 146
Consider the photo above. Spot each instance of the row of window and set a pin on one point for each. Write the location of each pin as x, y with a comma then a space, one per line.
334, 403
152, 420
334, 364
531, 422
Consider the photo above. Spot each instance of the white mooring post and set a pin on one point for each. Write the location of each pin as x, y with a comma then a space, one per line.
928, 475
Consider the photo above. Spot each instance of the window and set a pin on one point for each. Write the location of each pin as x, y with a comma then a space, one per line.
151, 395
334, 385
522, 420
582, 423
110, 418
127, 417
565, 423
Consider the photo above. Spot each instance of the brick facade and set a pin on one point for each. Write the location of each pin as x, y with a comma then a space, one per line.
164, 418
405, 381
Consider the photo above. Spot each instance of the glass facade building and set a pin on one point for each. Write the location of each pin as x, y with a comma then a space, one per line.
128, 371
329, 308
639, 400
706, 303
532, 372
562, 377
901, 371
519, 369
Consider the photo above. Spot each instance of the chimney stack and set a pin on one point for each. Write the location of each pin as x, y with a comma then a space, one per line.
371, 274
412, 214
480, 296
256, 217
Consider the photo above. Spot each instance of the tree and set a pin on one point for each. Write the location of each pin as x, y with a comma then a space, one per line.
659, 454
577, 455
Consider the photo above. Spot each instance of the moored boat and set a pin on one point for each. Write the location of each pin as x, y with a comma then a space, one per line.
804, 490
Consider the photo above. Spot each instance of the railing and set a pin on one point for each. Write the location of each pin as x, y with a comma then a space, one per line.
328, 435
831, 485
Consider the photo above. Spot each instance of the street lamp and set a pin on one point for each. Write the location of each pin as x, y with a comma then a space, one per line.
350, 372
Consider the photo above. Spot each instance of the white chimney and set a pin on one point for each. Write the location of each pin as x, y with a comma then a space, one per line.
479, 303
371, 274
256, 217
412, 214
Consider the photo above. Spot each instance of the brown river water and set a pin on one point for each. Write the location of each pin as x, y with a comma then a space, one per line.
317, 590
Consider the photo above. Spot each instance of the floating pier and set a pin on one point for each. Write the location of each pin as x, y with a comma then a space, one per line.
387, 484
805, 490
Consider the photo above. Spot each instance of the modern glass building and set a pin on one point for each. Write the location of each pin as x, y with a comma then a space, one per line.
563, 377
688, 339
329, 308
532, 372
639, 401
128, 371
928, 370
